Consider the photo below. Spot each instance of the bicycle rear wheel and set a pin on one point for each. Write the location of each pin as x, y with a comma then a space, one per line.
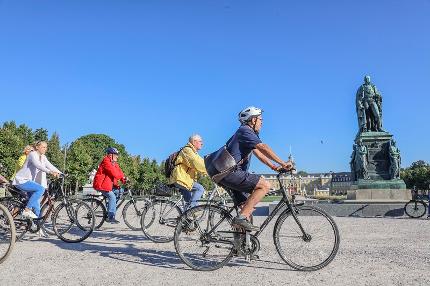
310, 251
15, 208
159, 219
204, 238
132, 213
99, 209
7, 233
73, 221
415, 209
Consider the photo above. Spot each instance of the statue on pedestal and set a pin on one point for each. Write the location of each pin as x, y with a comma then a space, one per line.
361, 160
369, 107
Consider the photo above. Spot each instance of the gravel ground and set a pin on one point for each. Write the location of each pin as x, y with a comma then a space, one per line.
373, 251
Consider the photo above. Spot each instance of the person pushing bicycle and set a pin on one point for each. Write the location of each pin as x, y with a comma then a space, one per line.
229, 165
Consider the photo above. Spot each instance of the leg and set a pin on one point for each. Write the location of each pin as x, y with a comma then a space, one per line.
186, 194
111, 204
36, 192
196, 193
261, 189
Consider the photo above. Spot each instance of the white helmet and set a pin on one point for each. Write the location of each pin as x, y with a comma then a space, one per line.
248, 113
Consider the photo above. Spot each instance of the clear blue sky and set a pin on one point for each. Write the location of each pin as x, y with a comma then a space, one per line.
150, 73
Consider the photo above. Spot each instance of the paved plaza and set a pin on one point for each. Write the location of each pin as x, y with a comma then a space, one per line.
373, 251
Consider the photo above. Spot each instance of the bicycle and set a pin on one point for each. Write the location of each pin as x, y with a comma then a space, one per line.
166, 210
130, 214
416, 207
305, 237
72, 220
7, 233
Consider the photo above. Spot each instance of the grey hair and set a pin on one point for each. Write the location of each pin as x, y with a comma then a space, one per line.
194, 137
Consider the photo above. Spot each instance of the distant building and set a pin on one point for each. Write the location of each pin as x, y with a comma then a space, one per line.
314, 184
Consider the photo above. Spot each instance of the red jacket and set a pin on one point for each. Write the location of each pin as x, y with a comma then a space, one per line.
107, 175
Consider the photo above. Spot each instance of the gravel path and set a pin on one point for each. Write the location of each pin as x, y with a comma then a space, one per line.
373, 251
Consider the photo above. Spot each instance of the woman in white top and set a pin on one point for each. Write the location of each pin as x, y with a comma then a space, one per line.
31, 178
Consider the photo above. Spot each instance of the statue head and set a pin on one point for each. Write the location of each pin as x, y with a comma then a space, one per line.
393, 143
367, 79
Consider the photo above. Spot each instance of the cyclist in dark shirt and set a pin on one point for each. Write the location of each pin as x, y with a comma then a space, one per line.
241, 146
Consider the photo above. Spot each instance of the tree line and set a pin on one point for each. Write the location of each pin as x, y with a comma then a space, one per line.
82, 156
85, 153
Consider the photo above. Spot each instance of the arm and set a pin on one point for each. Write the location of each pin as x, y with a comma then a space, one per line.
270, 155
51, 167
34, 160
264, 159
111, 170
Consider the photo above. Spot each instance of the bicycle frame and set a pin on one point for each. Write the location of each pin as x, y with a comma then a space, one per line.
282, 203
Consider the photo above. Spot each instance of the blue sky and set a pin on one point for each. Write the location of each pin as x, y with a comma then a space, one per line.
150, 73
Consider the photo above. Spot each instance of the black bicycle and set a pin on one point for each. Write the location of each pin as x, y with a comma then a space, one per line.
306, 237
72, 219
7, 233
161, 214
131, 212
416, 207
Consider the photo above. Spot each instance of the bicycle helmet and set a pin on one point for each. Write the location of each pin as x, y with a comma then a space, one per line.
249, 113
112, 150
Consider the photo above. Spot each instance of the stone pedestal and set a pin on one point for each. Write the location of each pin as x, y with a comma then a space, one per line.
378, 185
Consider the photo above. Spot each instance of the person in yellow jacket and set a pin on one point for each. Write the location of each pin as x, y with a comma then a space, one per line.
188, 165
21, 160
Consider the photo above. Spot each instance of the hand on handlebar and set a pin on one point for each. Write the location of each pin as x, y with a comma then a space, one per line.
55, 174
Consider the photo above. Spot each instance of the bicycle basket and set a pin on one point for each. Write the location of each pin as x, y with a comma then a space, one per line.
163, 191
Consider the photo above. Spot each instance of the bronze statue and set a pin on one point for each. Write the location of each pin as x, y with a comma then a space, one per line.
395, 160
369, 107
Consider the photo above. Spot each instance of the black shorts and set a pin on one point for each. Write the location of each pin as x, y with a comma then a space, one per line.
240, 182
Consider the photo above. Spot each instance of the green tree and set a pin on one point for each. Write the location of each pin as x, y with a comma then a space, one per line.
418, 174
41, 134
78, 164
12, 142
54, 153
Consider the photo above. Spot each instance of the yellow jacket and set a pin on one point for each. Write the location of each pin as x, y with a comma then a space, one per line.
188, 165
19, 164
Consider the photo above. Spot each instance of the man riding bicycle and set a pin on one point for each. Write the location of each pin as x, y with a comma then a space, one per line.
229, 165
106, 180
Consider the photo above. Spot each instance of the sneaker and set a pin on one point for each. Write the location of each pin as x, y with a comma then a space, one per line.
42, 233
112, 221
28, 214
245, 224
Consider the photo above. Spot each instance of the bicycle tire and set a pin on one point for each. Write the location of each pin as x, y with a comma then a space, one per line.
312, 219
70, 229
15, 208
415, 209
99, 209
7, 232
132, 214
196, 223
160, 215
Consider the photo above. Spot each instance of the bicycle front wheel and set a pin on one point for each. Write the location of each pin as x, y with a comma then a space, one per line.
159, 219
314, 247
73, 221
132, 213
7, 233
204, 237
415, 209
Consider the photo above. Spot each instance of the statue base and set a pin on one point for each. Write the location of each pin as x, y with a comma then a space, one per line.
379, 190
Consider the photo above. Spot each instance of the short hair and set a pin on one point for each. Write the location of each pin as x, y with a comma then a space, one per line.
194, 137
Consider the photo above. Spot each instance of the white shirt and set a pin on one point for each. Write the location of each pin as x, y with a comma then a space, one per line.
34, 169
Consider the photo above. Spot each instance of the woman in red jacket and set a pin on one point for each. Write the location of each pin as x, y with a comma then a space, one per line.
106, 180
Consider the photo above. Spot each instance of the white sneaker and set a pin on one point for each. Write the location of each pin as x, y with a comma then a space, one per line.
28, 214
42, 233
